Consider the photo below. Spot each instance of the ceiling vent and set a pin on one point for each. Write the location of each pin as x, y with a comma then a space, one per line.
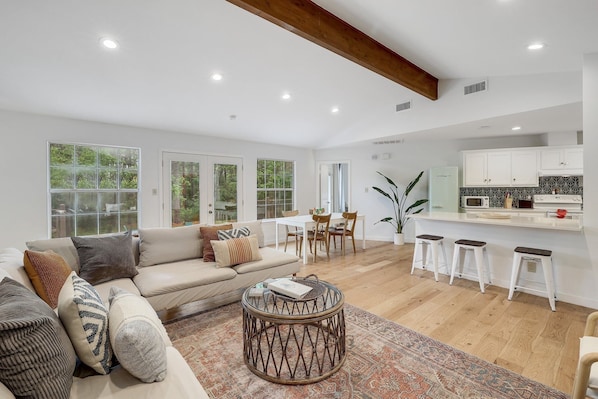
476, 87
404, 106
394, 141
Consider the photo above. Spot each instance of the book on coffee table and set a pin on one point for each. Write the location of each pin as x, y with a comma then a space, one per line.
289, 288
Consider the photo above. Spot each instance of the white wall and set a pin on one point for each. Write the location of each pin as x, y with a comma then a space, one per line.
23, 166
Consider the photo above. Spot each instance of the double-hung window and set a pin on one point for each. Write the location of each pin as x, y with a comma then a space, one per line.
275, 187
93, 189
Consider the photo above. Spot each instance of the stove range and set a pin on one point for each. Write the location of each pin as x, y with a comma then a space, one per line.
552, 202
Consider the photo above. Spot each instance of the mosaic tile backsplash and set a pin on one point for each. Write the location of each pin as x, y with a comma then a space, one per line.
562, 185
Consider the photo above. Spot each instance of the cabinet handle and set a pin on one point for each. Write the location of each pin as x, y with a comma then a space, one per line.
514, 179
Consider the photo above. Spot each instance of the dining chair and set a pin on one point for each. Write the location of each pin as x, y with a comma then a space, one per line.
292, 231
318, 235
344, 231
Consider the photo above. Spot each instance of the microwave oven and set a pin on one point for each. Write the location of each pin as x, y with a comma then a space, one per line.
475, 201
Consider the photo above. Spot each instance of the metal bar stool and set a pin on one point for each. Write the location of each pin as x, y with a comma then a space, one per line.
536, 255
481, 260
427, 242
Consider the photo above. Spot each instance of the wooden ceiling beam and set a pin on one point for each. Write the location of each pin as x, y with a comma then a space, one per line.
312, 22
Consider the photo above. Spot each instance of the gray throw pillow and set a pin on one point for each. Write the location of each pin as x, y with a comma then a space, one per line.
37, 359
137, 336
105, 258
233, 233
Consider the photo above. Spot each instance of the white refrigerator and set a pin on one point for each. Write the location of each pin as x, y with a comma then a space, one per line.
443, 189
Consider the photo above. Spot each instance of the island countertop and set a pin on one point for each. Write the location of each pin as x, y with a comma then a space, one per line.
498, 219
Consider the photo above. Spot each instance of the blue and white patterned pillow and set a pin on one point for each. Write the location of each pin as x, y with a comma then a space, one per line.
85, 319
234, 233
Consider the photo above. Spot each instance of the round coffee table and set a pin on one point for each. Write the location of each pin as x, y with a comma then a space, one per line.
295, 341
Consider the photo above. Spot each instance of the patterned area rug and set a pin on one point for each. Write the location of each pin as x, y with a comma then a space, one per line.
384, 360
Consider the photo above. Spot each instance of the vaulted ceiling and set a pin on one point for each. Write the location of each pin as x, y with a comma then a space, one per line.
51, 62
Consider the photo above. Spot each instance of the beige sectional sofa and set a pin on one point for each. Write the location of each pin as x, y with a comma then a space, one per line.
171, 273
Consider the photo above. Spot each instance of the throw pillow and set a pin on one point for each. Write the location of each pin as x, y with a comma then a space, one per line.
233, 233
36, 357
208, 234
236, 251
105, 258
48, 272
85, 319
137, 336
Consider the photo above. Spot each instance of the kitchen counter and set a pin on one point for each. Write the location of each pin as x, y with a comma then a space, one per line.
490, 217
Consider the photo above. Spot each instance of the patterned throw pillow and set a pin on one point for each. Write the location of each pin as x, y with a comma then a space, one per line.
236, 251
85, 318
137, 336
233, 233
105, 258
47, 271
208, 234
36, 358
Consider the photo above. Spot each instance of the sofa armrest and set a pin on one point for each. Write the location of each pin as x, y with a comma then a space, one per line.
5, 393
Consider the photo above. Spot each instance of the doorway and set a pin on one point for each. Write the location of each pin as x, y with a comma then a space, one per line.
201, 189
333, 186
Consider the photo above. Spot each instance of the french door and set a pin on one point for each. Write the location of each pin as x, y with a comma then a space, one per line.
201, 189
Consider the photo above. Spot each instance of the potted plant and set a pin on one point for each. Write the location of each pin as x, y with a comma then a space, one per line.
399, 205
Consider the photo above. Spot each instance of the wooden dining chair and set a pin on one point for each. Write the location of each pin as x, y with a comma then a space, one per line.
294, 232
318, 235
344, 231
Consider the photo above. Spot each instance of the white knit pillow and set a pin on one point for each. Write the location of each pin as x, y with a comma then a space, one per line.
137, 336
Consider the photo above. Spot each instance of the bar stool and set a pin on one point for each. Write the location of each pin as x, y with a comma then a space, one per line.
427, 242
481, 259
536, 255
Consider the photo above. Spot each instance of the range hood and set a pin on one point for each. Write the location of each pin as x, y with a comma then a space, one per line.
560, 172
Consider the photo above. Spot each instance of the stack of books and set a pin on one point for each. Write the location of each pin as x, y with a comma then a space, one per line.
289, 288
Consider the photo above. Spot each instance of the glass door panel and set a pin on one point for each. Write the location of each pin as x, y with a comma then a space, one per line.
225, 189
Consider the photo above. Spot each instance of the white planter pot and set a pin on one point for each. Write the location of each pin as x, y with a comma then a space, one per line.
399, 238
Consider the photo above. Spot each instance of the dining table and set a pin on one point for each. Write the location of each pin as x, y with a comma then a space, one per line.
306, 222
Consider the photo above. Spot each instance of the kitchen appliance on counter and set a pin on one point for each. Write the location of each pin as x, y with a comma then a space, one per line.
551, 203
475, 202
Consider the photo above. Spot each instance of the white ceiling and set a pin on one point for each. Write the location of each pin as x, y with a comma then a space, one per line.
51, 63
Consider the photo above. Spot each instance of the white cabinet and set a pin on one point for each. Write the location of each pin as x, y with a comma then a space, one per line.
487, 168
524, 168
561, 159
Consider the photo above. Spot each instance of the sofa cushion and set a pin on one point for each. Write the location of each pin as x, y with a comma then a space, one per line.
270, 258
163, 244
255, 227
177, 276
105, 258
11, 261
85, 318
208, 234
137, 336
36, 357
48, 272
62, 246
235, 251
126, 284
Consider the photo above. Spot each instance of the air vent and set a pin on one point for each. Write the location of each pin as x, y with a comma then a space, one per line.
394, 141
476, 87
404, 106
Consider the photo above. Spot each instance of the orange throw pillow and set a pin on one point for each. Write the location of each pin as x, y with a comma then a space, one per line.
209, 233
47, 271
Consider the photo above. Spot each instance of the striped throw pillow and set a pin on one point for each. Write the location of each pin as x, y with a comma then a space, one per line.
235, 251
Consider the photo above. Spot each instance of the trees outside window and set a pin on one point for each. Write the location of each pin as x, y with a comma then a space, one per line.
275, 188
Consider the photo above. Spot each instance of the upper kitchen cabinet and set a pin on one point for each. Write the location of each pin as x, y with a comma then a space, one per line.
524, 168
561, 160
486, 168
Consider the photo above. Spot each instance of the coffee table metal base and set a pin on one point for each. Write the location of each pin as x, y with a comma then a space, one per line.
299, 351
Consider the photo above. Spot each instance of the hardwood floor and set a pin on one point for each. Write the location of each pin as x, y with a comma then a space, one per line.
522, 335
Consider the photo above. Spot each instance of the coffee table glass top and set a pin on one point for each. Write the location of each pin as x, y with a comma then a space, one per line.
322, 299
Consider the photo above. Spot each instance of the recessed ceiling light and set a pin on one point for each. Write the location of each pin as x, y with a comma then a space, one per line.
109, 43
216, 76
516, 128
535, 46
286, 96
335, 110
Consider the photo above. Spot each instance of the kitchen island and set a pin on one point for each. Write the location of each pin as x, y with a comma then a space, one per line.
504, 232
